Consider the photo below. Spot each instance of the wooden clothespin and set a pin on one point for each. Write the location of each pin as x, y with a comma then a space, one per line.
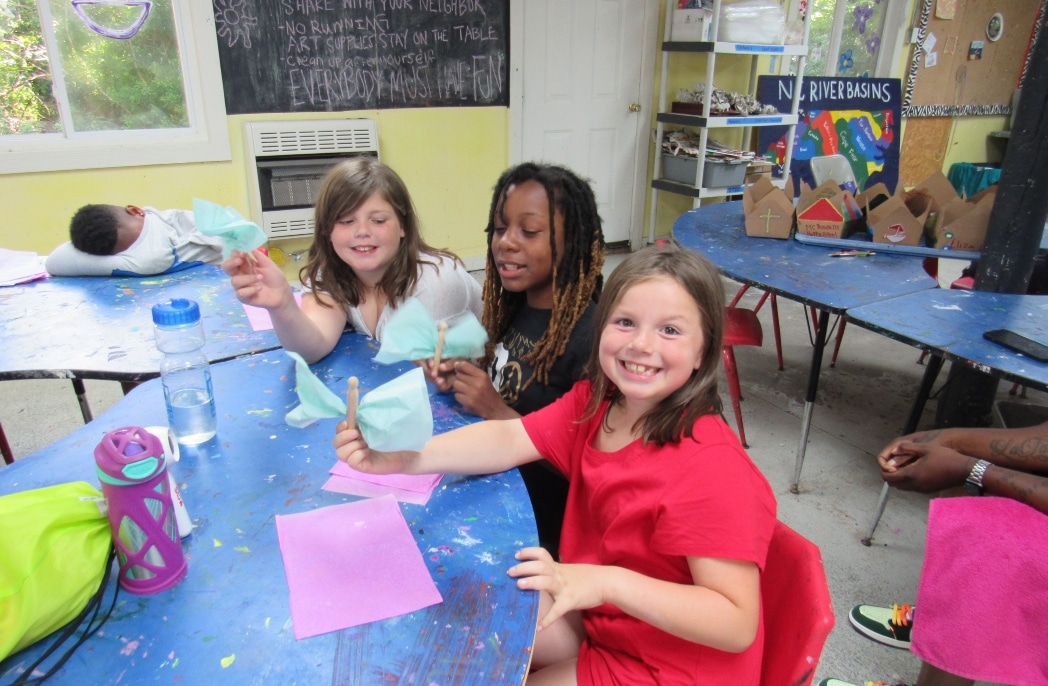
352, 400
442, 332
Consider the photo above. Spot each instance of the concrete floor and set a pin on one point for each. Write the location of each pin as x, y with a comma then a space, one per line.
863, 403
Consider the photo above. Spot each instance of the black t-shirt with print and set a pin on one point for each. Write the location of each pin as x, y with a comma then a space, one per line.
547, 487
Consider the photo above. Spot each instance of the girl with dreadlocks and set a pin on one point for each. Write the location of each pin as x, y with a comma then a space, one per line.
545, 253
367, 257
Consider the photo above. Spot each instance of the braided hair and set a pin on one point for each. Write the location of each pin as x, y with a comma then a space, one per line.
577, 278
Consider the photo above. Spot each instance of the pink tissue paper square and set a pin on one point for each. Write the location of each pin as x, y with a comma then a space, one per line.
351, 564
259, 317
407, 488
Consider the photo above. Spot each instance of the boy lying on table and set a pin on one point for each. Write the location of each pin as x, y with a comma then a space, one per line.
109, 240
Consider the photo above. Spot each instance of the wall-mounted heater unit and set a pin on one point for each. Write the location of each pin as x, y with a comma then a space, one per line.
287, 160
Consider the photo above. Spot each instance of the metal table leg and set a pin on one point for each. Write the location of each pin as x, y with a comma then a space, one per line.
925, 389
81, 397
809, 397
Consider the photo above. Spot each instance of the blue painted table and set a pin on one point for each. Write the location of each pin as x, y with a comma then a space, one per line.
804, 273
949, 324
89, 327
229, 621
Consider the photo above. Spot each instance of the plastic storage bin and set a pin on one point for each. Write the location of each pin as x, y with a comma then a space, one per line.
716, 173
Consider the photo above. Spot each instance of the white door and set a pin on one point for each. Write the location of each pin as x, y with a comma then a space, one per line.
582, 74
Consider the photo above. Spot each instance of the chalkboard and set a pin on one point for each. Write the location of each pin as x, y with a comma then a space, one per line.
333, 55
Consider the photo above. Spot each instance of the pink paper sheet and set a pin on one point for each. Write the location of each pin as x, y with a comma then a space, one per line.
351, 564
259, 318
407, 488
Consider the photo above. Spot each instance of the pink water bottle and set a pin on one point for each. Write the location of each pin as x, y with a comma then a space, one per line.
133, 473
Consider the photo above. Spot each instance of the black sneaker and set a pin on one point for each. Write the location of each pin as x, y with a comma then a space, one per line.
888, 625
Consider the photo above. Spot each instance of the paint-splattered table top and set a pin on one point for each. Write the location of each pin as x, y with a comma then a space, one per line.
805, 273
229, 621
950, 323
102, 327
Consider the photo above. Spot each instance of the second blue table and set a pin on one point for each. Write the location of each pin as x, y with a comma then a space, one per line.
804, 273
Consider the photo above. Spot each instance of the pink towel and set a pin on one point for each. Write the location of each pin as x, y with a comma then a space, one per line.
982, 601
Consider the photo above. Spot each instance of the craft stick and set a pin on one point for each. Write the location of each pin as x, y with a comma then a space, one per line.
442, 332
351, 403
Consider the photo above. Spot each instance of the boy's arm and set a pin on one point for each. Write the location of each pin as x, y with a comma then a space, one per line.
65, 260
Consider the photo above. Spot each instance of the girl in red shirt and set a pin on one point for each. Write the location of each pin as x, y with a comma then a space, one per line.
668, 520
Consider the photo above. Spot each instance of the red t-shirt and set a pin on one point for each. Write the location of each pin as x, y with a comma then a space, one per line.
647, 509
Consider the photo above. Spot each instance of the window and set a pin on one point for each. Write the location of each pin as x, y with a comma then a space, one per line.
109, 83
855, 37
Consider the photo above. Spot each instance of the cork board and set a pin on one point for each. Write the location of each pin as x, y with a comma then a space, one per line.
923, 148
969, 56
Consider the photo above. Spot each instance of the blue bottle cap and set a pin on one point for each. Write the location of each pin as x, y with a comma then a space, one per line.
177, 312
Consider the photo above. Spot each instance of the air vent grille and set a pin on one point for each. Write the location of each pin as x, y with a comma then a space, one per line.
320, 138
289, 228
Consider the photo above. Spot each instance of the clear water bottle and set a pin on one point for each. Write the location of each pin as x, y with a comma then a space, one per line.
185, 371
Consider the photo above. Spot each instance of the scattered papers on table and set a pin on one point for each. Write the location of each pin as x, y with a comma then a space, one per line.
407, 488
395, 416
259, 317
411, 334
20, 266
236, 232
351, 564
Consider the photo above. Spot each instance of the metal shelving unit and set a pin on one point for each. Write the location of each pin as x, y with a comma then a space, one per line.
713, 49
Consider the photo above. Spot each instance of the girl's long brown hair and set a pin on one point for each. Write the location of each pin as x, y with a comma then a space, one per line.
346, 186
672, 419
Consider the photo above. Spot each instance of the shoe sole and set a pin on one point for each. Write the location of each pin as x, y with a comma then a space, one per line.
880, 638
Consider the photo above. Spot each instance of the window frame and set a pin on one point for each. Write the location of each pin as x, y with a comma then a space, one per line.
893, 38
206, 139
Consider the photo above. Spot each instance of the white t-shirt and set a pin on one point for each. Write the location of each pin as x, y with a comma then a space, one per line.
445, 293
169, 242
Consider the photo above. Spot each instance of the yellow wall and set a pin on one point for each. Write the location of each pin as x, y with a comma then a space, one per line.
449, 159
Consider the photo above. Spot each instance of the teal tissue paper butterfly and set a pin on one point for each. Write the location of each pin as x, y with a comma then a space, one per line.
412, 334
395, 416
236, 232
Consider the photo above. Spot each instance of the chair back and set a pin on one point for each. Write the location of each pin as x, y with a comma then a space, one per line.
798, 612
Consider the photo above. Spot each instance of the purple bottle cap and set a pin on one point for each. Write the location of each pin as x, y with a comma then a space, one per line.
129, 455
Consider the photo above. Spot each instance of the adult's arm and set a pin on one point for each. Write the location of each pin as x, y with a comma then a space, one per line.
1024, 449
932, 468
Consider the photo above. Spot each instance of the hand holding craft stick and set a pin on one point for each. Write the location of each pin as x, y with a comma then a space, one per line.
352, 402
442, 333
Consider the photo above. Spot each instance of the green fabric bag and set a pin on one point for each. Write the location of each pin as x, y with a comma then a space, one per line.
55, 547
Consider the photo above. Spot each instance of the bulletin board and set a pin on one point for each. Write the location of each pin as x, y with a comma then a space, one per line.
969, 56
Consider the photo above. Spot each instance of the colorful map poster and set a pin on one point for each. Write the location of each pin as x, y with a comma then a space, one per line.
854, 117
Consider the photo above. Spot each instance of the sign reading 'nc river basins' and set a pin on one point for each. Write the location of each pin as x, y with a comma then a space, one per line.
335, 55
854, 117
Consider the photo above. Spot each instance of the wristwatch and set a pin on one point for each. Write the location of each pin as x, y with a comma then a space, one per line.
973, 485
